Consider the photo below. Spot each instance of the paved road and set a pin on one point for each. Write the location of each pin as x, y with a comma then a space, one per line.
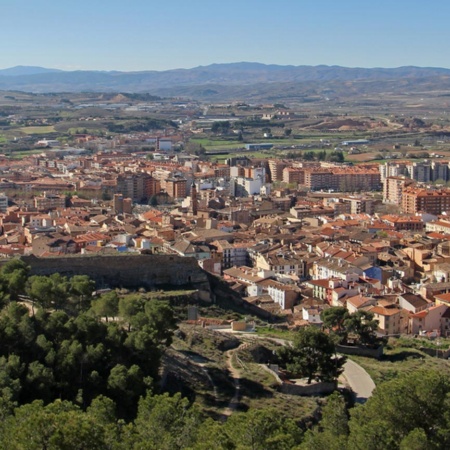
359, 381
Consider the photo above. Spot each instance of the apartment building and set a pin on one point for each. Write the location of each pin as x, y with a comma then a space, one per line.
293, 175
137, 186
49, 201
176, 187
393, 189
343, 179
423, 200
276, 168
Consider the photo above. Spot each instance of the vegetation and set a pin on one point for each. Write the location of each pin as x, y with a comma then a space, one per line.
312, 355
139, 125
81, 372
361, 324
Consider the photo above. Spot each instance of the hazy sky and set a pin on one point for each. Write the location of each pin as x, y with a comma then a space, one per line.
164, 34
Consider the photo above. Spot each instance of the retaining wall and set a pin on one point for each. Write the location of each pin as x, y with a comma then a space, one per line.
360, 351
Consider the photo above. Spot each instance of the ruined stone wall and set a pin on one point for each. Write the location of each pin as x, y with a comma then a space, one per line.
129, 271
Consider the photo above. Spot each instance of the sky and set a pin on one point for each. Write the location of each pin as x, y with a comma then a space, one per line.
132, 35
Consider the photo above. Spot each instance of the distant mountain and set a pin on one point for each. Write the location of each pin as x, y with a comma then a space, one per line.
26, 70
230, 81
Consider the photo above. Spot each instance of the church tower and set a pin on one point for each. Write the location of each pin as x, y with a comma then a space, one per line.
194, 203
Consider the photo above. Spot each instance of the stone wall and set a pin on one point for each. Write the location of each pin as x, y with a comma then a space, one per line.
318, 388
315, 388
360, 351
436, 352
128, 271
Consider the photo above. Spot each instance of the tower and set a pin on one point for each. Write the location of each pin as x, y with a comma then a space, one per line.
194, 205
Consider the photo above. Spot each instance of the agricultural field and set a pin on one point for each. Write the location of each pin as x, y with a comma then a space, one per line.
38, 130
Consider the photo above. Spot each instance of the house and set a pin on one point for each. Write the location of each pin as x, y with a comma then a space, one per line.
232, 254
443, 299
412, 302
335, 268
427, 320
282, 263
389, 319
358, 302
285, 295
312, 314
186, 248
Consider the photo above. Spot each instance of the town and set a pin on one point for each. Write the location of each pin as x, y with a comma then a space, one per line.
292, 235
284, 257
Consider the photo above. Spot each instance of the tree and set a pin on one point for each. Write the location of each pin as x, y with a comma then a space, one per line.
309, 156
166, 423
107, 305
81, 287
195, 148
312, 355
48, 292
59, 425
336, 156
129, 306
262, 429
332, 431
287, 132
363, 325
212, 434
334, 320
11, 370
153, 201
126, 385
221, 127
13, 276
414, 408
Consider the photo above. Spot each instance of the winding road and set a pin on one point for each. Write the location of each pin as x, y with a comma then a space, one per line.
358, 380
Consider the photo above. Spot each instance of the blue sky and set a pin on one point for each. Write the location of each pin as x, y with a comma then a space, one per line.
161, 34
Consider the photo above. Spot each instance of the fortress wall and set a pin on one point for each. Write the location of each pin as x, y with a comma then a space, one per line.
129, 271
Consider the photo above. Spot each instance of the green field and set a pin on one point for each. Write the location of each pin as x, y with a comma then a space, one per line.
25, 153
38, 130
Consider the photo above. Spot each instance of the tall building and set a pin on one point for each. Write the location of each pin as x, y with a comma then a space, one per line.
176, 187
393, 170
420, 171
118, 203
122, 205
276, 169
393, 189
137, 186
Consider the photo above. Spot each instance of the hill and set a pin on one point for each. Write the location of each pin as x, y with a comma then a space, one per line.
234, 81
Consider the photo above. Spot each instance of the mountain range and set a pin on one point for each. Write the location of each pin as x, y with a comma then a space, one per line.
231, 81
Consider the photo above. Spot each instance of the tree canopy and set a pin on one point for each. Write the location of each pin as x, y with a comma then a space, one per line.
312, 355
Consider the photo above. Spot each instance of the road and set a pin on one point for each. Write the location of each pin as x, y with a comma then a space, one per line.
359, 381
357, 378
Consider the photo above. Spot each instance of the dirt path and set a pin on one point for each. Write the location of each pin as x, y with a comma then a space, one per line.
236, 376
